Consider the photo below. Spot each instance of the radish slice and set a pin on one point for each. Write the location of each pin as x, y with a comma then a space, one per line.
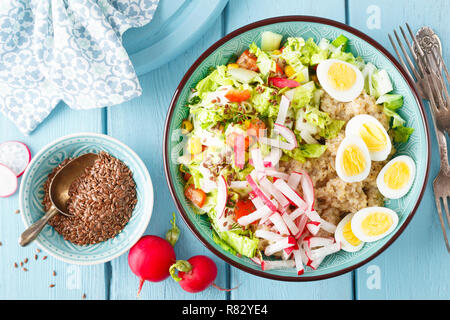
327, 226
222, 195
257, 159
278, 264
279, 245
256, 215
296, 213
278, 223
274, 157
269, 188
257, 202
298, 262
256, 260
294, 180
283, 110
314, 264
308, 189
325, 250
259, 193
239, 151
318, 241
15, 155
268, 235
289, 223
286, 255
290, 194
313, 227
286, 133
8, 181
301, 225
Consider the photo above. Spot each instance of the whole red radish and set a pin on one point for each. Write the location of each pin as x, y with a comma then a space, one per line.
196, 274
150, 259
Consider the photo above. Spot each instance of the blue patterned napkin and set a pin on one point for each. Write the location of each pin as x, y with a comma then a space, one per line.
70, 50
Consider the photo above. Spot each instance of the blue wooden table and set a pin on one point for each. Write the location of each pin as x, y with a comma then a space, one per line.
416, 266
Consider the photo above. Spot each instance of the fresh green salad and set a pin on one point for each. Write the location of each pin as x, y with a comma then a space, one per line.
263, 109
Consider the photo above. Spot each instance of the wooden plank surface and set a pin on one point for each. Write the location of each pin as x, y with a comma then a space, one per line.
416, 265
71, 281
237, 14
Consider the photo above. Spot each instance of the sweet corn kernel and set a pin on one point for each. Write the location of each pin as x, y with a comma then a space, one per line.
233, 66
289, 71
194, 145
276, 52
187, 125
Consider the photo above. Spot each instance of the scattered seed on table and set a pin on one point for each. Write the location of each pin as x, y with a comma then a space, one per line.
16, 265
36, 257
1, 243
51, 286
17, 211
25, 269
26, 260
54, 273
38, 250
21, 263
84, 296
44, 257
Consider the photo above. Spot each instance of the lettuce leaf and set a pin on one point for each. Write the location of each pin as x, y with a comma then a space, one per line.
214, 80
262, 102
402, 134
305, 151
264, 62
303, 95
242, 241
391, 101
329, 128
397, 120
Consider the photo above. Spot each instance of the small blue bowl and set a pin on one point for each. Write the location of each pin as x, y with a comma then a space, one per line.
32, 193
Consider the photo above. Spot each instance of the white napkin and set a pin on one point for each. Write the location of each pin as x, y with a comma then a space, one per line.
70, 50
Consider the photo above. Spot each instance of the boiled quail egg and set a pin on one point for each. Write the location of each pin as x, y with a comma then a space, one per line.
341, 80
352, 159
396, 177
373, 133
344, 235
373, 223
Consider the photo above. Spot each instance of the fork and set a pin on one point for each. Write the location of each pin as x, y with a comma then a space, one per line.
432, 87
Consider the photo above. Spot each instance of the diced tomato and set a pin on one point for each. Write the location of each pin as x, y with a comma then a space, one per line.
243, 208
283, 82
238, 96
279, 71
196, 196
248, 61
187, 176
255, 127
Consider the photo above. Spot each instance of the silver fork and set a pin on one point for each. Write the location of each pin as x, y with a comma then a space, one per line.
432, 87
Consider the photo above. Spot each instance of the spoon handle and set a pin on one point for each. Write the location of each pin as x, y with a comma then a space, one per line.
32, 232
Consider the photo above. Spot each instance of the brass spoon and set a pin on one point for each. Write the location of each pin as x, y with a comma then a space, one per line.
59, 194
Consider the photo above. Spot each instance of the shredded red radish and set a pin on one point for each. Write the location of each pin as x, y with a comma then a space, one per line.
8, 182
257, 202
289, 223
286, 133
279, 245
291, 194
259, 193
308, 189
268, 235
277, 264
15, 155
257, 160
294, 180
222, 195
283, 110
271, 172
296, 213
325, 250
298, 262
274, 157
278, 223
239, 151
254, 216
318, 241
269, 188
327, 226
301, 225
314, 264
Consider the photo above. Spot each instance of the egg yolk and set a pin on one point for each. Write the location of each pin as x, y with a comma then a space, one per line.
373, 136
397, 175
353, 160
341, 76
376, 223
349, 236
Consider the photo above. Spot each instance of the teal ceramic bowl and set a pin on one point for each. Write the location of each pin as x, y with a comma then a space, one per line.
417, 147
32, 193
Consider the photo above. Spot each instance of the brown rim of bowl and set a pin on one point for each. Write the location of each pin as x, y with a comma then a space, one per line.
262, 23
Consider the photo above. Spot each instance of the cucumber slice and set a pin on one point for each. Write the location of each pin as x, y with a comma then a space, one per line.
270, 41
